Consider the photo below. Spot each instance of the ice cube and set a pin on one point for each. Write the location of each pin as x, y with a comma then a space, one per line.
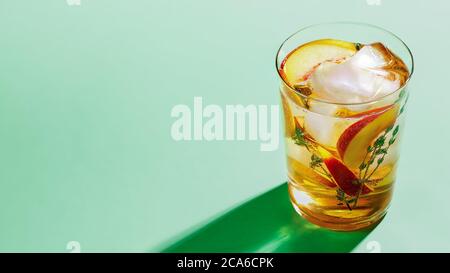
369, 74
325, 129
297, 152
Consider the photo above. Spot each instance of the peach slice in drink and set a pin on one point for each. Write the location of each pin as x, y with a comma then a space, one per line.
300, 171
342, 175
353, 143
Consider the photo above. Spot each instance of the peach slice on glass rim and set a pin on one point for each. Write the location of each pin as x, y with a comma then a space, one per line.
353, 143
301, 62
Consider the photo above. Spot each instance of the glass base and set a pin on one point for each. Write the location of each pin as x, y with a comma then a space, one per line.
341, 224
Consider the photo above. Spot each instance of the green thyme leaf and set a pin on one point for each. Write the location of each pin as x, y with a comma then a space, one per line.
392, 140
388, 129
301, 142
299, 138
316, 158
381, 151
396, 130
315, 161
402, 94
362, 166
380, 141
340, 194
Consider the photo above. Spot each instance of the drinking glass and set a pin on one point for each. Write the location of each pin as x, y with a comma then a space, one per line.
342, 157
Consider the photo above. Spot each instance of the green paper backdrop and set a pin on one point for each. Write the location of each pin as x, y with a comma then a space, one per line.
85, 148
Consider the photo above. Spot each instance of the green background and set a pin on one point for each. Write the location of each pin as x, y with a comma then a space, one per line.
85, 148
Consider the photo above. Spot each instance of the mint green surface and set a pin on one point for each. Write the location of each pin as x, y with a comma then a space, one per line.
85, 148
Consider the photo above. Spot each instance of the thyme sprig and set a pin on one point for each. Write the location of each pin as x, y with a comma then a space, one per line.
375, 155
316, 160
316, 163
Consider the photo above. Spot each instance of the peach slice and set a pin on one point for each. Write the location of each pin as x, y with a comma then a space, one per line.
353, 143
300, 171
301, 62
342, 175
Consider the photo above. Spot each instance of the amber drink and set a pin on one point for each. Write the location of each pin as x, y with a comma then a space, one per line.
344, 97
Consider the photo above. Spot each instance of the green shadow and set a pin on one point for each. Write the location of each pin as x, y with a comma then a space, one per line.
267, 223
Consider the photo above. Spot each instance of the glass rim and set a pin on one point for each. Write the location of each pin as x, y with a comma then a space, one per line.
345, 23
